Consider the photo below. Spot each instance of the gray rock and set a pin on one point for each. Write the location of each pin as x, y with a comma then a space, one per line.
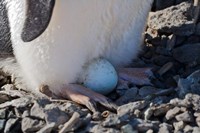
178, 20
47, 129
111, 120
178, 126
2, 122
185, 117
196, 130
54, 115
188, 129
165, 128
128, 129
148, 113
198, 120
37, 109
2, 113
129, 108
162, 109
9, 127
31, 125
18, 103
172, 113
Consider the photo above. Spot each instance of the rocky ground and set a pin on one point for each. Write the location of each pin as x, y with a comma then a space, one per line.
170, 104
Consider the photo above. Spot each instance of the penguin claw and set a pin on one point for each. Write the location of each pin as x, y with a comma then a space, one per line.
137, 76
84, 96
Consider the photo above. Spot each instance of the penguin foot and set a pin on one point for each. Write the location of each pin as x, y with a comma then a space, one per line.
84, 96
137, 76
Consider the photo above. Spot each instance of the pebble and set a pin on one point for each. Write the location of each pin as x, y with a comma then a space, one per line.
128, 129
172, 113
31, 125
2, 122
165, 128
179, 125
185, 117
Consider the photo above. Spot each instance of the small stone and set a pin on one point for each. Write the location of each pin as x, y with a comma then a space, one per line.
55, 115
128, 129
147, 90
188, 129
148, 113
172, 113
31, 125
18, 103
47, 129
9, 127
185, 117
179, 125
129, 95
111, 120
150, 131
162, 109
196, 130
129, 108
165, 128
2, 113
2, 122
198, 120
184, 55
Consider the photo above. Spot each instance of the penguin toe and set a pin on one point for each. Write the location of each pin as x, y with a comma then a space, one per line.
137, 76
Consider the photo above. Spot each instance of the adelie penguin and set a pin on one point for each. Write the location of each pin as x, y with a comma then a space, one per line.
52, 41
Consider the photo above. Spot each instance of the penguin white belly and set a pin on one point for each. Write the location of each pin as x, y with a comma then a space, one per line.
78, 32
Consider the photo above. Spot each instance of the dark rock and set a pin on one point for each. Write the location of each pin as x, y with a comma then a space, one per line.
187, 53
130, 95
161, 4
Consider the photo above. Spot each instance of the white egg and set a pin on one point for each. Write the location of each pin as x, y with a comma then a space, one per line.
100, 76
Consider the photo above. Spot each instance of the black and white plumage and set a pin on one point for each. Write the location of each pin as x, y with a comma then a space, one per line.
52, 40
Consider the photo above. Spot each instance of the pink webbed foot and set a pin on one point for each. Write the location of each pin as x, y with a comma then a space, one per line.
82, 95
137, 76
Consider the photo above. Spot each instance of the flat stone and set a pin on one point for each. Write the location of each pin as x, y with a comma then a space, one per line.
129, 95
185, 117
187, 53
54, 115
198, 120
31, 125
178, 20
129, 108
18, 103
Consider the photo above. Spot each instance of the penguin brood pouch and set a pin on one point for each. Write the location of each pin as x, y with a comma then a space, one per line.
58, 43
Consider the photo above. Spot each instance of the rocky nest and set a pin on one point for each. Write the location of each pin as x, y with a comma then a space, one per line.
170, 104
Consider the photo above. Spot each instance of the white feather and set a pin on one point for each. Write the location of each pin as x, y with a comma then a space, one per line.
79, 31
